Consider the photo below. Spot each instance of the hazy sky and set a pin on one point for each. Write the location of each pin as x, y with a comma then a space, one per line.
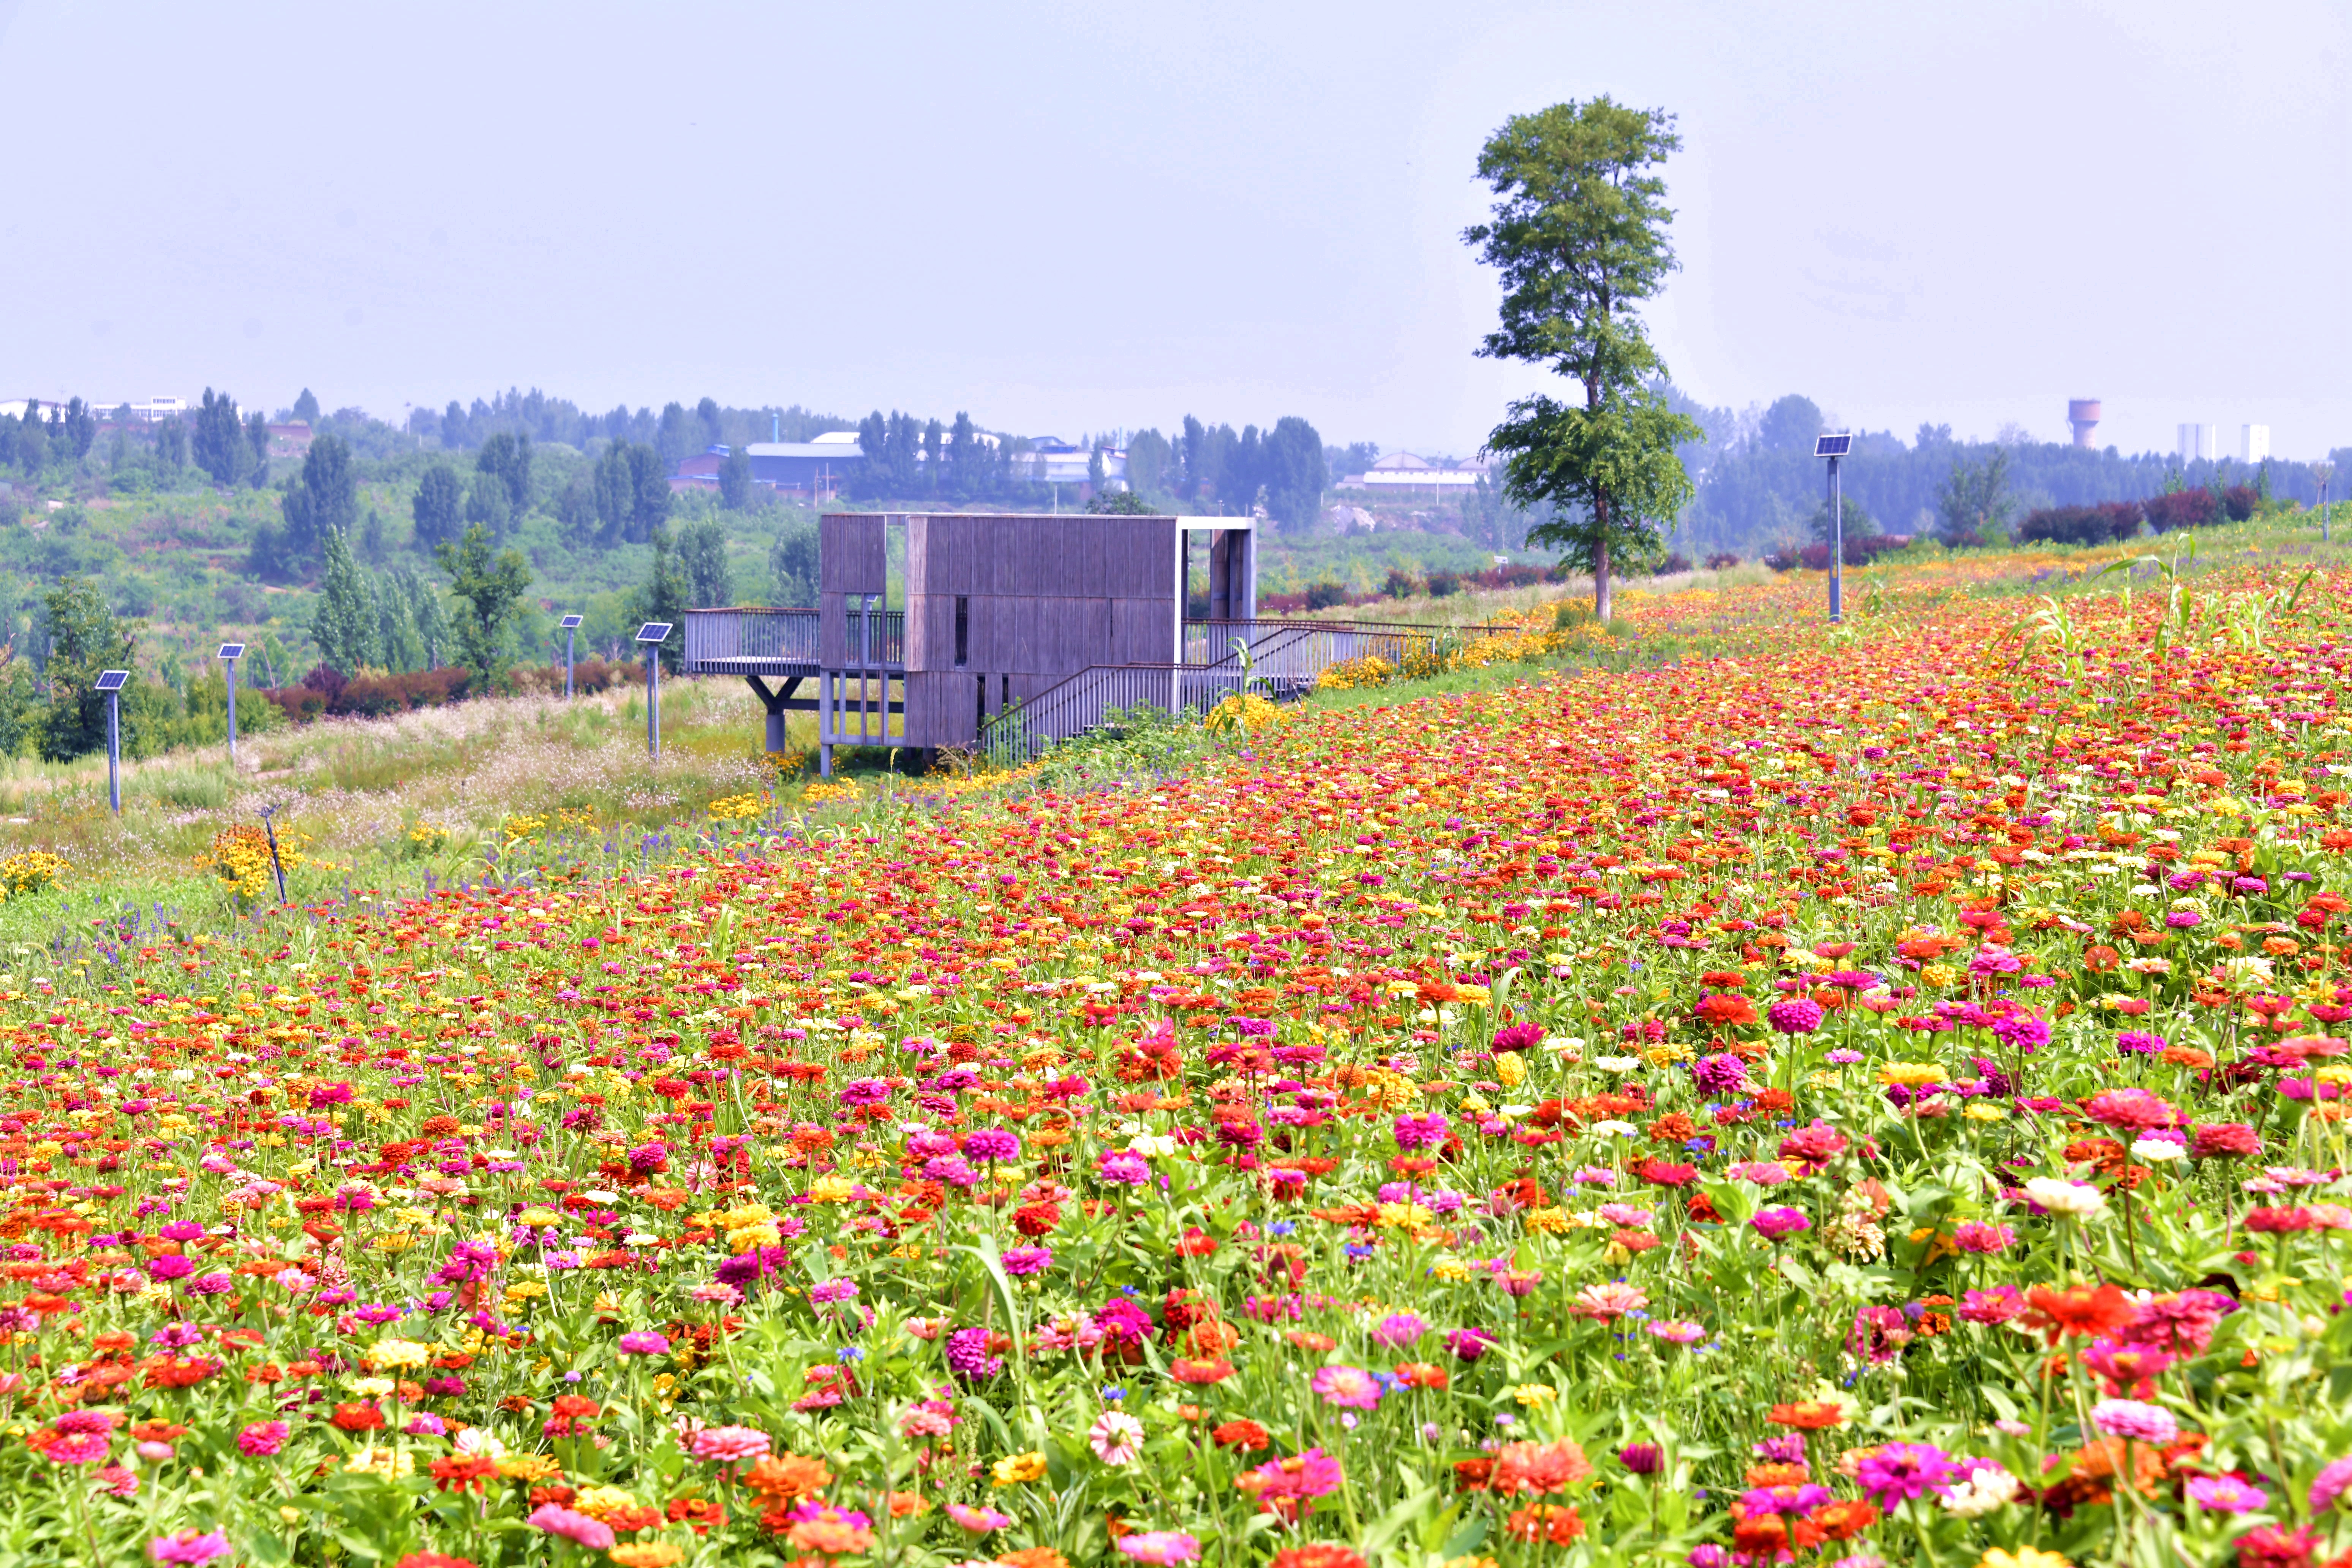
1067, 218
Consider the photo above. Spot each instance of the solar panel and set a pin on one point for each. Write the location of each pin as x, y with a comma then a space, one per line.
652, 631
232, 650
1833, 446
569, 623
112, 679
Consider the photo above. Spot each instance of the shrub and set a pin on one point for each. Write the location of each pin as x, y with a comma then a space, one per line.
1444, 583
2081, 524
1325, 595
1399, 584
1859, 551
1722, 560
374, 694
2240, 501
2181, 508
327, 681
1672, 564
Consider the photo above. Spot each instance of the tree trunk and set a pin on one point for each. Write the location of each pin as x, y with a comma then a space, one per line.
1600, 581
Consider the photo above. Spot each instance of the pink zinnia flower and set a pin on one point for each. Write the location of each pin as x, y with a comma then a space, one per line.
188, 1546
1311, 1474
978, 1520
1350, 1387
591, 1533
262, 1438
80, 1449
2226, 1494
727, 1444
2133, 1418
1606, 1303
1160, 1548
1982, 1235
2333, 1482
1116, 1437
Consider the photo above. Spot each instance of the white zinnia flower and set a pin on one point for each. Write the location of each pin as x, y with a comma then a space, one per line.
2074, 1198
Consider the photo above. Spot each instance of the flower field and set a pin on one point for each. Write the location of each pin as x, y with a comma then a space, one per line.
1871, 1096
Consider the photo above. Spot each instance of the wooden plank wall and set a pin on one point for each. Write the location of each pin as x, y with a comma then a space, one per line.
850, 562
1046, 596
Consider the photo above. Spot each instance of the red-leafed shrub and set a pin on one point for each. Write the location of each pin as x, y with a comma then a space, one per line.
2181, 508
2081, 524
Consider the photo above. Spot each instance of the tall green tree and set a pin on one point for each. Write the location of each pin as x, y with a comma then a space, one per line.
735, 477
1579, 235
632, 493
324, 498
422, 624
702, 556
348, 624
306, 407
506, 458
792, 567
1973, 504
1296, 474
439, 508
84, 637
218, 442
489, 583
664, 595
79, 425
257, 442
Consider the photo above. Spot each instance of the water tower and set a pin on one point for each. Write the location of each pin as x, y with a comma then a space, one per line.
2083, 414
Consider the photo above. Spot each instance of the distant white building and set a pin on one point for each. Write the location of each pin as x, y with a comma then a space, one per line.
1403, 471
1053, 461
2198, 441
2255, 443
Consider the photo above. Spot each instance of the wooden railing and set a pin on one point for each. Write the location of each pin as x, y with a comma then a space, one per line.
1280, 658
718, 640
1071, 708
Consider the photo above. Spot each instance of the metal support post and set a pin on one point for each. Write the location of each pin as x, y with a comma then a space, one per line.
1837, 548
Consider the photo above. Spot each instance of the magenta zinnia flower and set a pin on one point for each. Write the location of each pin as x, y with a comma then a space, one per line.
2135, 1419
190, 1546
1160, 1548
2226, 1494
1901, 1471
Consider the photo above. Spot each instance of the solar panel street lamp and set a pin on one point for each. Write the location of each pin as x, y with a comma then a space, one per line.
650, 637
230, 652
571, 624
110, 682
1834, 448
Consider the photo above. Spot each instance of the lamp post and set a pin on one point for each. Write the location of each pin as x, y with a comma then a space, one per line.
650, 637
2323, 472
1834, 448
110, 682
230, 652
571, 624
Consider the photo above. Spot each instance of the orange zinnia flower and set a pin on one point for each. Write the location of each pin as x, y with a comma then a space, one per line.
2083, 1310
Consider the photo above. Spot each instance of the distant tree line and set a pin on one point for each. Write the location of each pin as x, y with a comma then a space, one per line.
1760, 486
675, 432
